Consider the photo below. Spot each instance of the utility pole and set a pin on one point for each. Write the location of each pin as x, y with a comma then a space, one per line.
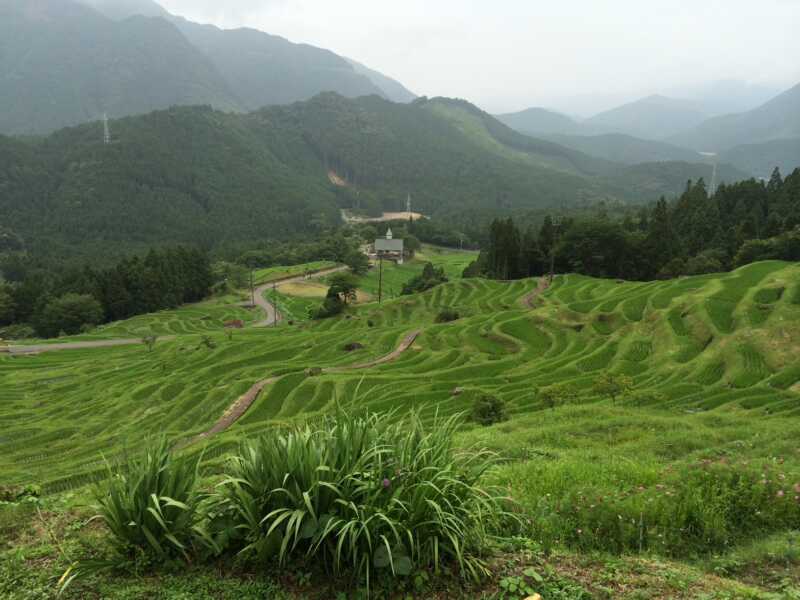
252, 290
556, 228
275, 303
380, 276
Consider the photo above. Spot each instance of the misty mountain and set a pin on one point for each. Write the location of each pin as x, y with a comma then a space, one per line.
761, 159
726, 96
616, 147
65, 62
264, 69
62, 63
775, 120
655, 117
122, 9
390, 89
626, 149
540, 121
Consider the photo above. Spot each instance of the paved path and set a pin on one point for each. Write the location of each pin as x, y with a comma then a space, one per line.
245, 401
38, 348
267, 306
261, 302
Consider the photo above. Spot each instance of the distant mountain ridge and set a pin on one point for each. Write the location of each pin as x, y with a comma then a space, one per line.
541, 121
65, 62
775, 120
654, 117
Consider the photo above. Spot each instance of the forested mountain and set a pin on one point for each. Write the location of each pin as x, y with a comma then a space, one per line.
655, 117
197, 175
264, 69
777, 119
761, 159
181, 175
626, 149
66, 62
62, 63
540, 121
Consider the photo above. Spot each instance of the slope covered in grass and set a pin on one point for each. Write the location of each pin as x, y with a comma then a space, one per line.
698, 462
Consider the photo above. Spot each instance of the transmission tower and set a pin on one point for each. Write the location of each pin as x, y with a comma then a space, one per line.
106, 130
408, 204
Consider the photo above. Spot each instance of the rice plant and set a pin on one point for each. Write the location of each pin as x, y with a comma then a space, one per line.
360, 493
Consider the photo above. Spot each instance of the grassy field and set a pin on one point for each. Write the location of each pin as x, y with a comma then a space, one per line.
395, 276
687, 486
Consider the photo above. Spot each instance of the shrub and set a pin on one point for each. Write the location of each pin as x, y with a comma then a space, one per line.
360, 494
557, 394
489, 410
429, 278
17, 332
330, 307
448, 315
150, 505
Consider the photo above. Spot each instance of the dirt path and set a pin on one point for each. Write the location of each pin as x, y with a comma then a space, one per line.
528, 300
267, 306
245, 401
404, 345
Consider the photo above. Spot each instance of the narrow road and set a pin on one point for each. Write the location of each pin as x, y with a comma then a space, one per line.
261, 302
245, 401
38, 348
267, 306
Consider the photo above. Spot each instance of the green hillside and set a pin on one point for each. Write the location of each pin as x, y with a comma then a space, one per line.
700, 343
626, 149
193, 175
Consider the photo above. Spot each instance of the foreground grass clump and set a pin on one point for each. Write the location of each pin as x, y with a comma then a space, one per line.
151, 506
361, 494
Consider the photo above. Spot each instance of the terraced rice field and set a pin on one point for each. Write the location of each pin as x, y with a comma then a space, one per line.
691, 344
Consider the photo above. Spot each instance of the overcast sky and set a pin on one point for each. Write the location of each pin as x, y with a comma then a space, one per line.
506, 55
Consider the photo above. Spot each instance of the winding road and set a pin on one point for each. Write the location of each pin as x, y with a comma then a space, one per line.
266, 305
269, 310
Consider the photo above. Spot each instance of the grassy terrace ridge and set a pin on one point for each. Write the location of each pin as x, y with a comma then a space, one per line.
716, 392
271, 274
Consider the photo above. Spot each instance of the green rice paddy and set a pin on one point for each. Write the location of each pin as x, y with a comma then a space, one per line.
710, 383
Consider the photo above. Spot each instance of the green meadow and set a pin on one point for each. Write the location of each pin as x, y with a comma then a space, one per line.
694, 467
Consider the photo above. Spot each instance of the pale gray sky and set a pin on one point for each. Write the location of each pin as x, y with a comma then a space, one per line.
510, 54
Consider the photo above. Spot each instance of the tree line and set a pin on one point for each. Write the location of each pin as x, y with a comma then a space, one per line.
697, 233
77, 299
